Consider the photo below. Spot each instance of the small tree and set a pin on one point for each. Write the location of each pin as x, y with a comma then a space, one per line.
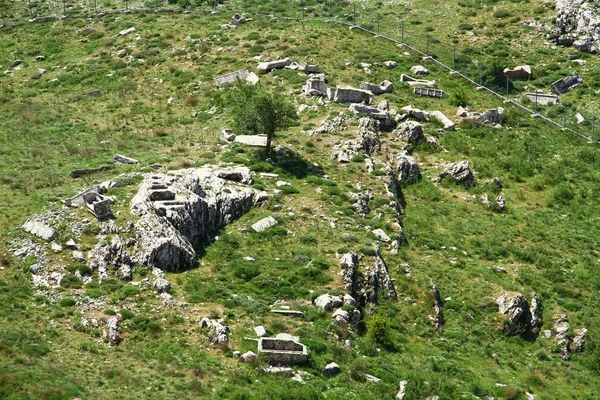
254, 110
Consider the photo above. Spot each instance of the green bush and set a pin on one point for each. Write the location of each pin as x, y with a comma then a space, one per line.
67, 302
126, 314
245, 270
379, 330
71, 282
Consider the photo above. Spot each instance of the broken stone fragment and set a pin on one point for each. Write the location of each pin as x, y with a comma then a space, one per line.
328, 302
460, 172
381, 235
264, 224
40, 230
331, 369
419, 70
118, 158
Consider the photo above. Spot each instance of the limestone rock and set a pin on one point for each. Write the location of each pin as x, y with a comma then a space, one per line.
264, 224
519, 314
520, 73
368, 141
501, 203
459, 172
419, 70
578, 24
118, 158
237, 19
349, 266
361, 202
40, 230
260, 331
402, 390
578, 340
113, 256
328, 302
349, 95
227, 135
218, 333
438, 316
112, 333
381, 235
331, 369
269, 66
316, 85
384, 87
390, 64
232, 77
162, 285
411, 131
407, 169
125, 32
567, 83
249, 357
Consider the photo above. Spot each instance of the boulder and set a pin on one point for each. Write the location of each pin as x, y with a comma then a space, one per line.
252, 140
381, 235
328, 302
578, 24
578, 340
567, 83
402, 390
390, 64
411, 131
361, 202
492, 116
441, 118
367, 141
341, 317
249, 357
162, 285
227, 135
349, 272
125, 32
370, 111
111, 256
419, 70
521, 317
232, 77
217, 332
438, 315
520, 73
112, 332
459, 172
237, 19
264, 224
407, 169
260, 331
501, 203
331, 369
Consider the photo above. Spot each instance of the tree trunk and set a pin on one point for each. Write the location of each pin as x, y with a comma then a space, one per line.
268, 146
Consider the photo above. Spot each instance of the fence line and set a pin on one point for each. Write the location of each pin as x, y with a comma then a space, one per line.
329, 19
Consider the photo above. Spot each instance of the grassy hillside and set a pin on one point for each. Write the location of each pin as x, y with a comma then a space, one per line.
156, 104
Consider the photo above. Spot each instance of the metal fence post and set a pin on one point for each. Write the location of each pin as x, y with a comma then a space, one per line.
95, 7
427, 48
593, 123
64, 8
402, 31
354, 15
480, 75
329, 9
274, 6
377, 24
564, 115
303, 10
507, 88
535, 106
454, 59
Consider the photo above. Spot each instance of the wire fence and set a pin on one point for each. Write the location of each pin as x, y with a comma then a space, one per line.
394, 26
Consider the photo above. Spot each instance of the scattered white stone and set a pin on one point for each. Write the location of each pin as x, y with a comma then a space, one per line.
402, 391
264, 224
56, 247
78, 256
381, 235
125, 32
260, 331
282, 183
331, 369
248, 357
40, 230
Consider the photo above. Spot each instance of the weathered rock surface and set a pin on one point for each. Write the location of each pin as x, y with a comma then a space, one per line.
350, 95
407, 169
271, 65
338, 123
438, 315
328, 302
459, 172
316, 85
367, 141
521, 72
419, 70
349, 266
217, 332
578, 24
118, 158
411, 131
520, 316
567, 83
402, 390
381, 235
384, 87
264, 224
179, 211
361, 202
40, 230
112, 332
232, 77
249, 357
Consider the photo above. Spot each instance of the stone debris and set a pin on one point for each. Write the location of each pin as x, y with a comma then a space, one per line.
410, 131
563, 339
349, 95
492, 116
338, 123
501, 203
328, 302
519, 73
390, 64
264, 224
98, 205
227, 135
579, 119
542, 99
78, 256
414, 82
441, 118
283, 350
567, 83
217, 332
384, 87
578, 342
265, 67
369, 111
371, 378
349, 272
125, 32
233, 77
40, 230
361, 202
293, 313
331, 369
124, 160
459, 172
578, 25
110, 257
367, 141
419, 70
316, 85
260, 331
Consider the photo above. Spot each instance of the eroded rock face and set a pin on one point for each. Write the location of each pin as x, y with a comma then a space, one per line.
179, 211
112, 330
111, 256
407, 168
367, 141
328, 302
438, 315
520, 316
349, 265
411, 131
217, 332
578, 23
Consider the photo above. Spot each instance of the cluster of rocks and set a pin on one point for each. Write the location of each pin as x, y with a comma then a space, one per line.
521, 315
578, 24
567, 342
424, 116
459, 172
287, 63
375, 283
367, 141
499, 203
338, 123
242, 75
217, 332
343, 318
494, 116
361, 202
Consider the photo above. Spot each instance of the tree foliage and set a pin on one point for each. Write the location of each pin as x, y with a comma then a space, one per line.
255, 110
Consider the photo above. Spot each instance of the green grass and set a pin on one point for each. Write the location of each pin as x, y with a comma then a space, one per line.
547, 240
